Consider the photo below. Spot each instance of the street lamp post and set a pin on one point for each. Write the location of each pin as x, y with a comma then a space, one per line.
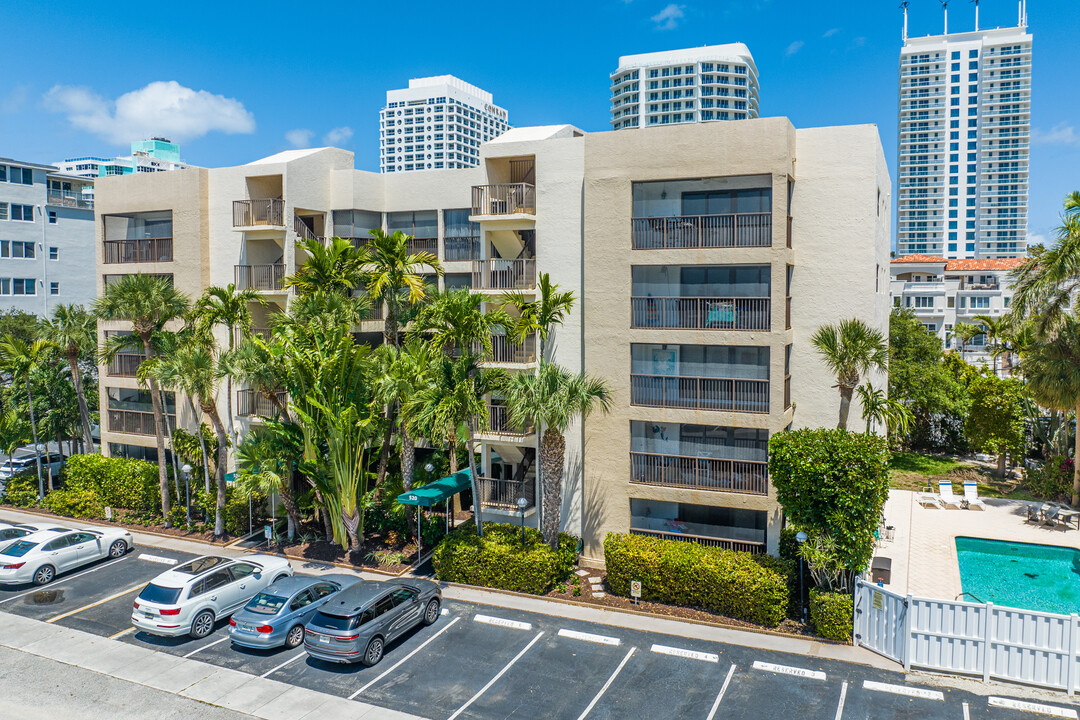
186, 472
522, 503
801, 537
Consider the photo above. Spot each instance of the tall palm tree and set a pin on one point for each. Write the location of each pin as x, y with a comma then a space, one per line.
14, 433
994, 328
232, 308
454, 321
877, 407
1045, 285
149, 303
850, 350
336, 267
550, 400
74, 331
20, 358
259, 365
539, 316
266, 459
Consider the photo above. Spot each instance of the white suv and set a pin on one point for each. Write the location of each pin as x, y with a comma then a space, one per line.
191, 597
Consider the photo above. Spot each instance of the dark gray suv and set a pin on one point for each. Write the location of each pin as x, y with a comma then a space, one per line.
358, 623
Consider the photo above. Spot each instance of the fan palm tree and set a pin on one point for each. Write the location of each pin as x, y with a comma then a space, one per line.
1044, 286
149, 303
879, 408
74, 331
265, 461
336, 267
850, 350
20, 358
550, 400
454, 321
539, 316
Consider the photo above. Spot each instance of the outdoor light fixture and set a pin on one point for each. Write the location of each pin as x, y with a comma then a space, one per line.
186, 472
801, 537
522, 503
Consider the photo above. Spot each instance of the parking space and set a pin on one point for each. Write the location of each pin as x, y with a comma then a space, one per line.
485, 662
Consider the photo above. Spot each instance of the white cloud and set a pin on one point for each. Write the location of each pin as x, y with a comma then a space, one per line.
15, 100
794, 47
299, 138
1036, 239
161, 108
338, 136
669, 17
1061, 134
830, 32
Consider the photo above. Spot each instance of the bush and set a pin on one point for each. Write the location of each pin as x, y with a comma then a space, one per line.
118, 482
236, 509
499, 560
75, 503
1052, 481
736, 584
831, 614
22, 491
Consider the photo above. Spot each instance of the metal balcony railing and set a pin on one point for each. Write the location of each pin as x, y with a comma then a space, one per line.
697, 473
253, 213
499, 423
260, 277
504, 351
702, 231
125, 364
700, 393
504, 199
700, 313
498, 274
69, 198
419, 245
251, 403
134, 422
504, 494
740, 545
146, 250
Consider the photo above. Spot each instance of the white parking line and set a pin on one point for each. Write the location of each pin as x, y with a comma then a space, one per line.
590, 637
720, 695
789, 670
157, 559
607, 684
495, 679
394, 667
502, 622
70, 577
120, 594
843, 697
967, 712
1031, 707
208, 645
904, 690
294, 658
679, 652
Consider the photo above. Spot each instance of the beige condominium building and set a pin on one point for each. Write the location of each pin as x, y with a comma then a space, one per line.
702, 256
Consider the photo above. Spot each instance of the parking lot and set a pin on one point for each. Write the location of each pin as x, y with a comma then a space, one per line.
478, 661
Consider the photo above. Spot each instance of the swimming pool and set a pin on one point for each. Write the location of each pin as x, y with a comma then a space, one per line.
1021, 575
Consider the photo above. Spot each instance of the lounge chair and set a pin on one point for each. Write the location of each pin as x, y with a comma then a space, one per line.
1034, 512
971, 494
929, 499
1050, 515
946, 494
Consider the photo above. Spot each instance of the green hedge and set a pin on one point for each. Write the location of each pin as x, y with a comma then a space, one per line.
75, 502
118, 482
727, 582
22, 491
831, 614
499, 560
236, 509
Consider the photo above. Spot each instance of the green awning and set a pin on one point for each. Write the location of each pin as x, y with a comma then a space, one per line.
438, 490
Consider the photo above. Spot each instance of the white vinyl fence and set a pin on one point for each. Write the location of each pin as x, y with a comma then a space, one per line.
978, 639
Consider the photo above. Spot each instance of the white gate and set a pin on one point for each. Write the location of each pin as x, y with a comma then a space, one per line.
978, 639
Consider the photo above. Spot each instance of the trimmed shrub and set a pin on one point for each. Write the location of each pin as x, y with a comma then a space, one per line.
236, 509
22, 491
499, 560
118, 482
76, 503
831, 614
727, 582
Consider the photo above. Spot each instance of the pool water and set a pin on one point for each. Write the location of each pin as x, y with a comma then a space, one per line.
1020, 575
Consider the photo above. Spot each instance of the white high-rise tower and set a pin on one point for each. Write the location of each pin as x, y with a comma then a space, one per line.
965, 120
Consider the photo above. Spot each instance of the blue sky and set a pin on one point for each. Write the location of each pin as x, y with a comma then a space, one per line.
256, 78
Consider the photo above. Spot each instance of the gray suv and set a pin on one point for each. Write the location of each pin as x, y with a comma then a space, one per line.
358, 623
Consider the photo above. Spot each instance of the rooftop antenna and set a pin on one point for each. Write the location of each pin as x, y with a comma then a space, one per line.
1023, 13
976, 14
904, 6
945, 7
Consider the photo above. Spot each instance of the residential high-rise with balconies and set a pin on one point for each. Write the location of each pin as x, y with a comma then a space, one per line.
437, 123
965, 121
714, 82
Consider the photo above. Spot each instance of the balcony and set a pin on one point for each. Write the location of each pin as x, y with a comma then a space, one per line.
694, 313
504, 351
125, 364
250, 403
71, 199
146, 250
498, 274
239, 335
461, 248
699, 473
299, 227
499, 424
702, 231
259, 213
700, 393
134, 422
503, 494
260, 277
504, 199
425, 245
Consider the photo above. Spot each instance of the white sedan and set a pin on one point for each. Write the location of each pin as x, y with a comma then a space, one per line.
41, 556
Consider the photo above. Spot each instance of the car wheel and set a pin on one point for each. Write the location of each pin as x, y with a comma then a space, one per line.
431, 612
44, 575
117, 549
202, 625
374, 652
295, 638
279, 577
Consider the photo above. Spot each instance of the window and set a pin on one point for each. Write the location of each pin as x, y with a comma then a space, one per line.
21, 286
16, 249
211, 582
403, 596
22, 175
302, 600
383, 605
980, 303
22, 212
54, 288
54, 253
3, 173
52, 217
242, 570
924, 302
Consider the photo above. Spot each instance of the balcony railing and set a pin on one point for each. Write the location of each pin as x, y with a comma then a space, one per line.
146, 250
698, 473
700, 393
68, 198
504, 494
260, 277
134, 422
301, 228
787, 312
262, 333
419, 245
504, 199
251, 403
461, 249
702, 231
740, 545
252, 213
505, 351
700, 313
498, 274
125, 364
499, 423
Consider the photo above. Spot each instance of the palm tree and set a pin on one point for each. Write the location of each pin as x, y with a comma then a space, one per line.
879, 408
994, 328
336, 267
232, 308
74, 331
539, 316
550, 400
455, 321
1044, 286
148, 303
265, 462
259, 365
19, 358
850, 350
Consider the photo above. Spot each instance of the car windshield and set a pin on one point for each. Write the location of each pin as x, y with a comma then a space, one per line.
335, 622
266, 604
199, 565
18, 549
159, 595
